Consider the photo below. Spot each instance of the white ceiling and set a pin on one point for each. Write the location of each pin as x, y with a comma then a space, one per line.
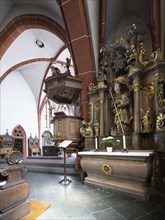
9, 7
24, 48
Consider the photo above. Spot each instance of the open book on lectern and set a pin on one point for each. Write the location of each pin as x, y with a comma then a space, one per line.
65, 143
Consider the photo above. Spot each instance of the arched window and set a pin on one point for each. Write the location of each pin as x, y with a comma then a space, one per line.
67, 109
47, 113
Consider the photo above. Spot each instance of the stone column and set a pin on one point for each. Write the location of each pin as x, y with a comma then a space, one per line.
136, 136
136, 86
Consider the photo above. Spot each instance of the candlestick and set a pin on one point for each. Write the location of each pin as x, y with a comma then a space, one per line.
96, 147
124, 142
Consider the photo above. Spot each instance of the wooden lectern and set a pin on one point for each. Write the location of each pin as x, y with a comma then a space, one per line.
64, 145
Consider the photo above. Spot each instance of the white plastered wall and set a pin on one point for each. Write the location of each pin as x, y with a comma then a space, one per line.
17, 105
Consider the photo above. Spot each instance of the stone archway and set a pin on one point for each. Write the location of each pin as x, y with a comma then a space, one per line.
19, 135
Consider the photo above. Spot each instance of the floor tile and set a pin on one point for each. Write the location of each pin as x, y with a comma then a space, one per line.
129, 211
80, 201
109, 214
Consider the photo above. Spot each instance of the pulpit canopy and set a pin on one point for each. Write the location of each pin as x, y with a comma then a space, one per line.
63, 88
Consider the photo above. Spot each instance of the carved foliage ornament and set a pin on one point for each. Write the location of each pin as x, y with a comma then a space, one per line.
129, 52
161, 95
100, 85
97, 105
142, 53
160, 121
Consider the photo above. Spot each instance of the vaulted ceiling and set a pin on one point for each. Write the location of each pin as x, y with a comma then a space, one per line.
35, 35
75, 28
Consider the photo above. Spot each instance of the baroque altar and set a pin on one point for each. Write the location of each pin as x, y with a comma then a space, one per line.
127, 100
128, 97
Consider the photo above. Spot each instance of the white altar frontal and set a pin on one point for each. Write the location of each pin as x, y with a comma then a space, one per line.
127, 172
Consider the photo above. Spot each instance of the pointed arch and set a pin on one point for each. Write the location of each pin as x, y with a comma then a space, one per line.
19, 135
24, 22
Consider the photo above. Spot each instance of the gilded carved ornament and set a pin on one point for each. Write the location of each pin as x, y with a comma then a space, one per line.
103, 63
91, 112
92, 87
156, 55
127, 55
101, 85
101, 99
136, 87
125, 81
59, 134
86, 130
159, 54
161, 95
149, 90
118, 54
141, 56
160, 121
146, 121
97, 105
106, 169
96, 128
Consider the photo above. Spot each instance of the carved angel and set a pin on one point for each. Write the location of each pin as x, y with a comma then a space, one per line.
146, 121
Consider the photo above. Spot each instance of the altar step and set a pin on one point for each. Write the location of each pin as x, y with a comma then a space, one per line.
50, 164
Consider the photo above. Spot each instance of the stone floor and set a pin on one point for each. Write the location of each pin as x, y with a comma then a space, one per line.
80, 201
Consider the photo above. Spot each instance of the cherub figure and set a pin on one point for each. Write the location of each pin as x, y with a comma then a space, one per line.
67, 65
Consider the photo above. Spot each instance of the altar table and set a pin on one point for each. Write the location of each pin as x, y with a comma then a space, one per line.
127, 172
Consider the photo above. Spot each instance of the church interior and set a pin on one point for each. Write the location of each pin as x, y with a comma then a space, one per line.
82, 109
